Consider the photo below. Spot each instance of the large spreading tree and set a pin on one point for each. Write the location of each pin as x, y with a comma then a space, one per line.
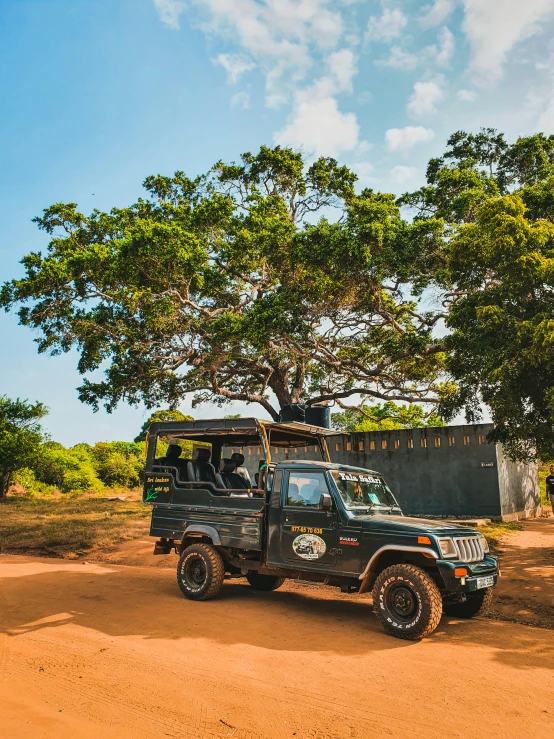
272, 281
267, 281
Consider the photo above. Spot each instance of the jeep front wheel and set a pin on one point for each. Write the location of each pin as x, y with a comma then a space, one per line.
478, 604
407, 602
264, 582
200, 572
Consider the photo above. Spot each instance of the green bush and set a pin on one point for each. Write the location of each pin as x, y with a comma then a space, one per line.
67, 470
118, 463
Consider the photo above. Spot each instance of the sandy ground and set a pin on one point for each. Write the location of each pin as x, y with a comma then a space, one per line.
100, 649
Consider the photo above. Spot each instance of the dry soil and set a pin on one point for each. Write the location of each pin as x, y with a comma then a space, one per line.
106, 649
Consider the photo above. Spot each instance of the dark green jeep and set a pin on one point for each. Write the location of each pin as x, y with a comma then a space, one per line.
230, 510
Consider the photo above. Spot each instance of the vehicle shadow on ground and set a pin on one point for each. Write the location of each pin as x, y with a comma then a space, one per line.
121, 601
129, 601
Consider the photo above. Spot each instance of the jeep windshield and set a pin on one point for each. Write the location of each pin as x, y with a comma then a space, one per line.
363, 491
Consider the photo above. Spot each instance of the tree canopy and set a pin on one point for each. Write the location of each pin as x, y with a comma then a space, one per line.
266, 281
273, 281
497, 202
165, 414
384, 417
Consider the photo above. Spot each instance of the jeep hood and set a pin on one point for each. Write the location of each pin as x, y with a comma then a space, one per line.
416, 525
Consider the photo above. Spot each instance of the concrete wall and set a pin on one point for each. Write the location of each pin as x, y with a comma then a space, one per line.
449, 471
519, 487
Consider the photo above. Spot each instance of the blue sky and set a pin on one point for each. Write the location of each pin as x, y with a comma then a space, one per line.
97, 94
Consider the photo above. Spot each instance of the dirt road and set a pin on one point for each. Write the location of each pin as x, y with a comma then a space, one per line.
101, 650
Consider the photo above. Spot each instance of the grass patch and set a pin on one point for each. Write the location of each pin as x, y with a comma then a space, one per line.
493, 531
69, 524
544, 471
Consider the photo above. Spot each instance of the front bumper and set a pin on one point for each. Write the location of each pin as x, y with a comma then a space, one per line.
487, 568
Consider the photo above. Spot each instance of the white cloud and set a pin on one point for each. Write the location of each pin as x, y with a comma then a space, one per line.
424, 99
399, 59
446, 46
169, 12
545, 123
281, 37
405, 138
342, 68
387, 27
494, 27
316, 124
364, 171
235, 65
402, 174
437, 13
240, 100
365, 97
363, 148
467, 96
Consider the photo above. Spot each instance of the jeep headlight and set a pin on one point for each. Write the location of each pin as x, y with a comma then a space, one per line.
448, 549
484, 543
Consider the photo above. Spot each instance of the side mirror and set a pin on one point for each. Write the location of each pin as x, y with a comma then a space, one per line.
325, 502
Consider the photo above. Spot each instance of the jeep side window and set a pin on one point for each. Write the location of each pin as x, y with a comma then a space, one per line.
306, 488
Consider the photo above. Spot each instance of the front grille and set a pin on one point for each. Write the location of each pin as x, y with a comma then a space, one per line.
469, 548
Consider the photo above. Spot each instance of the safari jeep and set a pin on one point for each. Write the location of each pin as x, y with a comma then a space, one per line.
262, 500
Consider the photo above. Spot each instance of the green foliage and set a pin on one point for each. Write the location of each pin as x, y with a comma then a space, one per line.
384, 417
544, 471
118, 463
497, 202
166, 414
262, 279
20, 437
272, 281
67, 470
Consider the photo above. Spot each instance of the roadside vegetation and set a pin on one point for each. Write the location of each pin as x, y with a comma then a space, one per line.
70, 525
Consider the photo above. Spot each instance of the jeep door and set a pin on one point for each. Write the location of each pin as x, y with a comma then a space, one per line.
308, 535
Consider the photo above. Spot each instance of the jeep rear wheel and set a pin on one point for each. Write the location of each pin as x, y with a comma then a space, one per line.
264, 582
477, 604
407, 602
200, 572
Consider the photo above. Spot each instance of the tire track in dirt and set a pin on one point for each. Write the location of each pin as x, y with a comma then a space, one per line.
354, 721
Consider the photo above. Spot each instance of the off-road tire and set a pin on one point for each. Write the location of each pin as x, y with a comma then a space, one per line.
200, 572
407, 602
478, 604
264, 582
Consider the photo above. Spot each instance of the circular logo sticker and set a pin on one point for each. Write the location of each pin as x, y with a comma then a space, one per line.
309, 546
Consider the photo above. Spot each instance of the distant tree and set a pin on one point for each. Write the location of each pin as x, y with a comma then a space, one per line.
68, 470
166, 414
384, 417
118, 463
21, 437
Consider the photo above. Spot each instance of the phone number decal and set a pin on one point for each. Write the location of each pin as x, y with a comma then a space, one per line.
305, 530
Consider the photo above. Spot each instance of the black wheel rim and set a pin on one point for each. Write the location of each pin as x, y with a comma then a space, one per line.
401, 602
194, 572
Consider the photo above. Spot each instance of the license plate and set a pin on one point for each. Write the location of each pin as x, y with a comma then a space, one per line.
485, 582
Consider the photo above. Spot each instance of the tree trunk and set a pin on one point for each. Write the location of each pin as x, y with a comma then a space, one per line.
5, 480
